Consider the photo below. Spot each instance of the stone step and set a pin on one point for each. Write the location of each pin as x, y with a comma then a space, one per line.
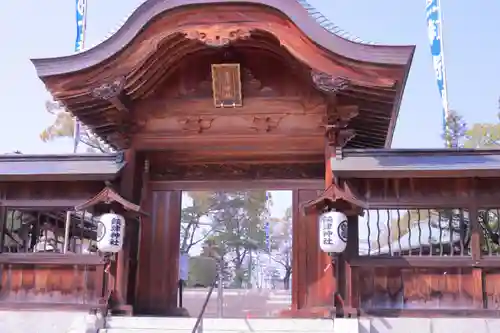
225, 325
239, 303
174, 330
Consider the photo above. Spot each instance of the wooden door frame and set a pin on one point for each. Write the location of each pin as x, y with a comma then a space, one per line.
211, 185
299, 288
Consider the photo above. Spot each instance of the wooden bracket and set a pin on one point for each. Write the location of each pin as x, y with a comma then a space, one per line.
108, 196
336, 132
334, 197
113, 92
328, 83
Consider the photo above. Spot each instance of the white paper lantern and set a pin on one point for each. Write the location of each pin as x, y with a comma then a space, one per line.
110, 233
333, 232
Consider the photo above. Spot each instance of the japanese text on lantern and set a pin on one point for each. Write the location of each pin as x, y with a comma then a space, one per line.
116, 230
327, 222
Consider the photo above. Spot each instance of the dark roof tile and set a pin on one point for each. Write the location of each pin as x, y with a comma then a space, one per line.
57, 167
367, 163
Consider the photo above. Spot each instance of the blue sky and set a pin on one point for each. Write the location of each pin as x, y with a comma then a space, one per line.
30, 29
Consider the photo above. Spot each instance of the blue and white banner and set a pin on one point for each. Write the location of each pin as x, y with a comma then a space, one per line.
267, 230
81, 25
434, 31
267, 225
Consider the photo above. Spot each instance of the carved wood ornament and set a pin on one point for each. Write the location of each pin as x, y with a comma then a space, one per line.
327, 83
196, 124
113, 92
109, 90
337, 133
238, 171
218, 36
266, 124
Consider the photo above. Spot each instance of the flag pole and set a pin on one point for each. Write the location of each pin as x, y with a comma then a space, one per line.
446, 107
435, 34
81, 28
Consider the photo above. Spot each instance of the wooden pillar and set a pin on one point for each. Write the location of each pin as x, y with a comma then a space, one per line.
314, 279
156, 285
300, 224
478, 274
327, 284
128, 188
3, 219
336, 137
312, 282
350, 285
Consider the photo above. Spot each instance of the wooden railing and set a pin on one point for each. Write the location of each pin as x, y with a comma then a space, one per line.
426, 262
51, 281
38, 271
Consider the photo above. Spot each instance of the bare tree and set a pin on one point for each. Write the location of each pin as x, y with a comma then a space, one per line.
193, 230
281, 245
64, 127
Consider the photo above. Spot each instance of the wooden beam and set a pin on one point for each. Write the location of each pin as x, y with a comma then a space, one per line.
42, 203
46, 258
228, 185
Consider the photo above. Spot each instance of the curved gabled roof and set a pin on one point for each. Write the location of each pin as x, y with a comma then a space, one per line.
160, 35
301, 15
321, 19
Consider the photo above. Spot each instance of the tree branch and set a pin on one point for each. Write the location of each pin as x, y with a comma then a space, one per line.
201, 239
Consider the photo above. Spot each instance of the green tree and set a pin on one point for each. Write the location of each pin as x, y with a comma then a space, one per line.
455, 130
202, 271
483, 136
64, 127
193, 230
237, 218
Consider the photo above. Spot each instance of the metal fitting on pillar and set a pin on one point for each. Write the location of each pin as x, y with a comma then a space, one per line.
338, 153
